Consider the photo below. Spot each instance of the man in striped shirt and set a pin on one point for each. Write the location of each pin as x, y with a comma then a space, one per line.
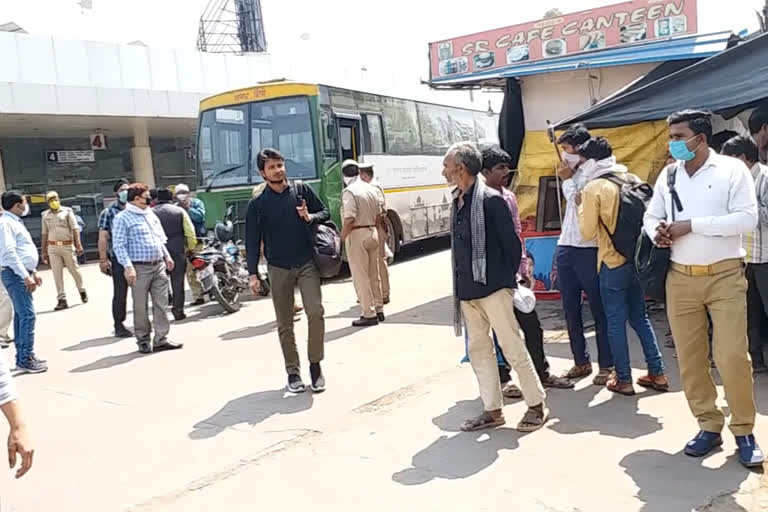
756, 246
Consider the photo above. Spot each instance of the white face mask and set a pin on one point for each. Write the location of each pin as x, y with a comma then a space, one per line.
26, 210
349, 179
571, 160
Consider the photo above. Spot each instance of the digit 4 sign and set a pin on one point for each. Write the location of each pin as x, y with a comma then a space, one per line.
98, 141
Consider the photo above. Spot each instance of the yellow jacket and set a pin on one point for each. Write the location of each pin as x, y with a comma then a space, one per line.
599, 209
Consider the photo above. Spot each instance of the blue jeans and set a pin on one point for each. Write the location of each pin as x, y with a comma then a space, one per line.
623, 300
577, 273
24, 317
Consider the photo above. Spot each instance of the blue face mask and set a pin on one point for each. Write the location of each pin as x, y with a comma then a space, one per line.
678, 149
123, 196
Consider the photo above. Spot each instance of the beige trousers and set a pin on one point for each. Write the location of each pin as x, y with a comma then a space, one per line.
723, 295
383, 267
497, 312
62, 257
362, 246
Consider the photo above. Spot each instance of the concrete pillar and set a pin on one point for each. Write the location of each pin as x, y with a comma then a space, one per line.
141, 156
2, 174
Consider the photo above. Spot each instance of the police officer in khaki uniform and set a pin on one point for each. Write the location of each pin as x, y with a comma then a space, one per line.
361, 208
366, 174
61, 247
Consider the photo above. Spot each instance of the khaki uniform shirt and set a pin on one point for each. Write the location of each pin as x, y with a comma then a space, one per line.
361, 202
59, 226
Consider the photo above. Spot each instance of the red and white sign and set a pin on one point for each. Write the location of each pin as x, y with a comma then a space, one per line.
625, 23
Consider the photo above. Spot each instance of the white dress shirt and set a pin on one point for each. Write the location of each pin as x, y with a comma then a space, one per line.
719, 200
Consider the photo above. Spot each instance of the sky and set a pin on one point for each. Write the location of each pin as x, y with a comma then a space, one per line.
338, 37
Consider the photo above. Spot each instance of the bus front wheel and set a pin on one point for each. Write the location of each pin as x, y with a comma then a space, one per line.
394, 233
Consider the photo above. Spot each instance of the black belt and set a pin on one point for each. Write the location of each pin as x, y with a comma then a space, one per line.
3, 269
148, 263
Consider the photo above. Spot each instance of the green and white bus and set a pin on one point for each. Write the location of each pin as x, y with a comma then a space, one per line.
316, 127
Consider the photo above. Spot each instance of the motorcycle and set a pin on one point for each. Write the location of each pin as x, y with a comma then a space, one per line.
221, 268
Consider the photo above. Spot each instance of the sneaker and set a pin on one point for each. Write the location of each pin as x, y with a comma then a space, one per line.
365, 322
318, 381
703, 443
32, 366
380, 317
62, 305
750, 454
122, 332
166, 345
179, 316
84, 296
35, 358
295, 384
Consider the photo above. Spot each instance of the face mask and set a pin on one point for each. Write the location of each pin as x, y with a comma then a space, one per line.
571, 160
55, 205
122, 196
26, 210
182, 197
148, 201
679, 150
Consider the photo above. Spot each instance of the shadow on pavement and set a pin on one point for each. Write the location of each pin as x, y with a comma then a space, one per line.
207, 311
249, 332
251, 409
108, 362
462, 455
49, 311
97, 342
669, 482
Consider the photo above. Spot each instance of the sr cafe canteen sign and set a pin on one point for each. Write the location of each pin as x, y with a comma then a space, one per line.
625, 23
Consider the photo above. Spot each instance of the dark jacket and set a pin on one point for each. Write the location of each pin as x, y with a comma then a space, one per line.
272, 217
172, 219
503, 248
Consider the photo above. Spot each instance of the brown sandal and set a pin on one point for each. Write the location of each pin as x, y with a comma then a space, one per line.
657, 382
578, 371
602, 377
511, 391
554, 381
481, 422
533, 419
621, 388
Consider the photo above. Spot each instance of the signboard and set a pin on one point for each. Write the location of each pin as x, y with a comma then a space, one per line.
98, 141
595, 29
69, 156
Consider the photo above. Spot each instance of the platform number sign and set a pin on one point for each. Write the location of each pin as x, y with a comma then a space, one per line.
98, 141
52, 156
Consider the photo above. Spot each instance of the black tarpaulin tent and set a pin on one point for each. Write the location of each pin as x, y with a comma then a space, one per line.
727, 83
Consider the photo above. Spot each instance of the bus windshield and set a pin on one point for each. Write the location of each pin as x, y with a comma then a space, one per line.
225, 138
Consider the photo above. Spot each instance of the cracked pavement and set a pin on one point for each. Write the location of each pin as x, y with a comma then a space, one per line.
211, 427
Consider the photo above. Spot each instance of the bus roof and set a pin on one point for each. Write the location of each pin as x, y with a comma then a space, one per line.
261, 91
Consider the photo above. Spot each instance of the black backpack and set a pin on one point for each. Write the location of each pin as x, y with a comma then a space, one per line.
634, 196
326, 242
652, 262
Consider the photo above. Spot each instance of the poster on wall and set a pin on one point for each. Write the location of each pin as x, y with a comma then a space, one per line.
540, 248
595, 29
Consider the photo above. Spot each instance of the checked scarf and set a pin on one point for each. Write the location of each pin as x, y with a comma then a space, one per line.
477, 239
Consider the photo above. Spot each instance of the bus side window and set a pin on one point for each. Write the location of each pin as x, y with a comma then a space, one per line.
330, 138
374, 134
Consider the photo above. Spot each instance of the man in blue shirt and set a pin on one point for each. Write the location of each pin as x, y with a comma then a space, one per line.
19, 260
108, 263
139, 245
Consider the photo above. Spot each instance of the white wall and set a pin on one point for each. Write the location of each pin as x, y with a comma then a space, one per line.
554, 96
43, 75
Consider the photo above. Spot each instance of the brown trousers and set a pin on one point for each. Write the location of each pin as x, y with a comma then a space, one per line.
723, 295
62, 257
362, 248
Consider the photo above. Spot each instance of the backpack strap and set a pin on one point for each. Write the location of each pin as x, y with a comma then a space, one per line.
671, 178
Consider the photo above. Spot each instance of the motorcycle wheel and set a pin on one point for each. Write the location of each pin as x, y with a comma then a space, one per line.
230, 305
264, 288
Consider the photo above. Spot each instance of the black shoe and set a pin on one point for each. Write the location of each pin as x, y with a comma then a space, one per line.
295, 384
380, 317
167, 345
84, 296
386, 300
145, 347
198, 302
365, 322
62, 305
318, 381
122, 332
180, 316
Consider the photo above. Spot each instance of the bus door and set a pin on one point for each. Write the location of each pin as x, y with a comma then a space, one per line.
349, 138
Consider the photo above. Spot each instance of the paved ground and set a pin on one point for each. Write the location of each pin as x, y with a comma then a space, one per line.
211, 428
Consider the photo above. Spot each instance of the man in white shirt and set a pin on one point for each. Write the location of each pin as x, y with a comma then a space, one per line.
576, 261
756, 246
716, 206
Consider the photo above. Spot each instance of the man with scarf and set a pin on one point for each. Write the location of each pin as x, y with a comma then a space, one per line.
620, 290
485, 259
